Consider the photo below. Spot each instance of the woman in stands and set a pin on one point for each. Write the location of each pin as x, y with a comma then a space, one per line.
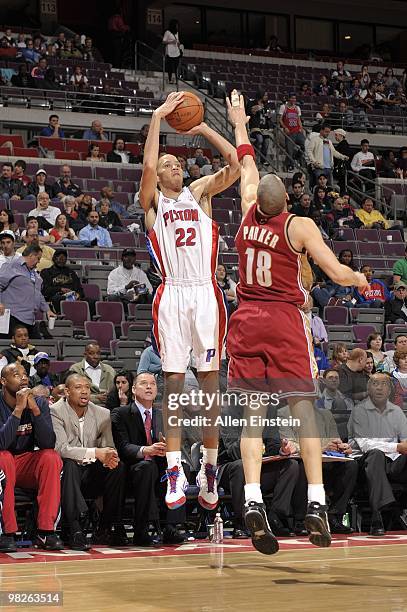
399, 376
370, 367
108, 218
94, 153
61, 230
7, 222
364, 77
374, 345
173, 49
390, 81
339, 355
121, 392
345, 257
78, 80
321, 200
228, 286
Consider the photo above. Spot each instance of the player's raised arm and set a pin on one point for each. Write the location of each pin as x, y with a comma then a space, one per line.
221, 180
148, 185
249, 181
304, 234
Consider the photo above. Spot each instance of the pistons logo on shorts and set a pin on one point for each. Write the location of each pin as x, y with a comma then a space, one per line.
210, 354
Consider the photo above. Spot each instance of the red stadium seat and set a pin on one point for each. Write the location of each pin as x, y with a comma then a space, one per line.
67, 155
52, 144
25, 152
102, 331
77, 312
110, 311
15, 139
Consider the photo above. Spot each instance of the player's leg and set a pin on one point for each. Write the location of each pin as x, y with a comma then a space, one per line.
206, 479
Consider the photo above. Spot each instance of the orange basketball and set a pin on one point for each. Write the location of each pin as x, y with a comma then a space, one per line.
188, 114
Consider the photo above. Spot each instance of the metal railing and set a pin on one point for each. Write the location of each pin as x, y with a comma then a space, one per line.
378, 193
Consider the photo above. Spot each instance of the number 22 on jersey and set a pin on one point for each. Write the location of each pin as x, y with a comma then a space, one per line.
258, 267
185, 237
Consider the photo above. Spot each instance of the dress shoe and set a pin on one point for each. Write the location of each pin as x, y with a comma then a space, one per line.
142, 538
376, 525
172, 536
7, 544
299, 529
277, 527
114, 537
337, 526
239, 534
78, 541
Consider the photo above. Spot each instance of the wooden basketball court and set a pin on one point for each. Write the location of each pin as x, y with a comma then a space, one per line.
357, 573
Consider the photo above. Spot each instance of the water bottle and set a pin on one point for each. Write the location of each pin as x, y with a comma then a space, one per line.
218, 529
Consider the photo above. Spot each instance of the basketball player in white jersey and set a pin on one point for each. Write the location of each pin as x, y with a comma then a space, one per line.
189, 312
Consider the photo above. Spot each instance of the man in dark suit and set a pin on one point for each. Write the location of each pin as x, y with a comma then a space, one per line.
137, 435
119, 155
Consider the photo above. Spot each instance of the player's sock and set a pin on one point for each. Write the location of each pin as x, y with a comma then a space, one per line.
316, 493
252, 492
210, 455
173, 459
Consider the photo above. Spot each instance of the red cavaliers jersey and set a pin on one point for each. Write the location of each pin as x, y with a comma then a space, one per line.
269, 268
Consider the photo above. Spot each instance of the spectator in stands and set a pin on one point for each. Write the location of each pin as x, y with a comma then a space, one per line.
20, 291
390, 81
290, 122
324, 115
321, 359
317, 326
43, 75
50, 51
212, 168
228, 285
199, 159
118, 154
321, 201
388, 167
69, 51
7, 223
120, 393
399, 376
32, 239
20, 350
91, 465
21, 40
60, 41
400, 344
343, 147
39, 186
378, 434
136, 432
353, 379
273, 46
370, 366
21, 464
90, 53
363, 163
341, 74
364, 77
106, 193
297, 192
85, 206
29, 54
142, 135
342, 215
64, 185
8, 35
79, 82
95, 132
33, 223
92, 232
71, 212
42, 364
173, 49
128, 283
340, 355
119, 39
323, 88
94, 153
345, 257
150, 360
341, 90
342, 118
376, 295
19, 172
400, 269
304, 208
194, 174
49, 213
374, 344
321, 153
61, 230
10, 189
61, 283
53, 129
330, 398
395, 308
99, 374
7, 247
259, 123
339, 478
305, 90
398, 98
108, 218
370, 217
322, 224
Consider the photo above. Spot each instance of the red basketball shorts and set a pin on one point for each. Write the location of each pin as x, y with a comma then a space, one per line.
270, 350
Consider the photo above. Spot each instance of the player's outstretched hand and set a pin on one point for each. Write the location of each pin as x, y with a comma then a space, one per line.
361, 281
236, 109
171, 103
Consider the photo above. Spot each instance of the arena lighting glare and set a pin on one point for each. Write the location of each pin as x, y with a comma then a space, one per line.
348, 37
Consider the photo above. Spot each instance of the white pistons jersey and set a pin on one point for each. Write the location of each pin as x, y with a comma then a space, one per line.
189, 309
184, 240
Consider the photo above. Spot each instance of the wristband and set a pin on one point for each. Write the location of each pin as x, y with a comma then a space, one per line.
245, 149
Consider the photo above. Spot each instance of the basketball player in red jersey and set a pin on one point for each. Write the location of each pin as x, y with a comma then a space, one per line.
269, 341
189, 312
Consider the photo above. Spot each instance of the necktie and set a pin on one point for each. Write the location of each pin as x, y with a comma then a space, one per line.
147, 426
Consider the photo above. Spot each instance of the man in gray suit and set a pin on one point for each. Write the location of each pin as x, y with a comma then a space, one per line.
91, 465
99, 374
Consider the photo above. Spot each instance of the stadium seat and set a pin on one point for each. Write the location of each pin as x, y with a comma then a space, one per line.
394, 329
77, 312
69, 155
92, 291
339, 333
123, 239
52, 144
102, 331
361, 332
58, 367
140, 312
370, 249
336, 315
394, 249
73, 349
110, 311
105, 172
129, 352
367, 235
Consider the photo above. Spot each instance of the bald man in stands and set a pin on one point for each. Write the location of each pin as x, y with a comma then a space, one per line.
352, 377
269, 340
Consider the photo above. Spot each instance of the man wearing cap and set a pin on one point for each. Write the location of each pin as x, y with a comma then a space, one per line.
32, 238
42, 365
395, 310
7, 246
43, 209
128, 283
20, 291
39, 185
